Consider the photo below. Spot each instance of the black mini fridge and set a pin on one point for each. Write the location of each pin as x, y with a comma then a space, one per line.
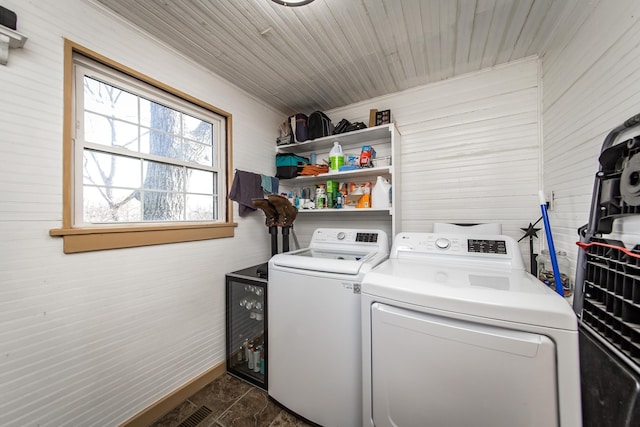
246, 324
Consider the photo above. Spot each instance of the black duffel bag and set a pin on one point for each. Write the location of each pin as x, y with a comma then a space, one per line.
319, 125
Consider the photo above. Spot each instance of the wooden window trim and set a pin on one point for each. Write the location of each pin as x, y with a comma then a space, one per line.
96, 239
85, 239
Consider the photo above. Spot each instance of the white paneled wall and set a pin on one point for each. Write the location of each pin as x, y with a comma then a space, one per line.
92, 339
591, 85
470, 148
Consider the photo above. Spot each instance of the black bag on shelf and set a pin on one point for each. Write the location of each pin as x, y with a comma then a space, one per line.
299, 127
342, 126
289, 164
355, 126
319, 125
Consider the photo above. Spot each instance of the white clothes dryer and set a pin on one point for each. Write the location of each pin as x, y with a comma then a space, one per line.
457, 333
315, 356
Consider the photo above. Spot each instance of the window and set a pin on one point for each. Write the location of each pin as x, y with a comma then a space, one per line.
144, 164
142, 160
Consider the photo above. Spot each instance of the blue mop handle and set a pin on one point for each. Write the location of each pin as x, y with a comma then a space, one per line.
552, 249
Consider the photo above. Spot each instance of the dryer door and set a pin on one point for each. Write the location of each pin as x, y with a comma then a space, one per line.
439, 371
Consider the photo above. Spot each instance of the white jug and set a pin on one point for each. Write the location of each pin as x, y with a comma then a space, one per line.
381, 194
336, 158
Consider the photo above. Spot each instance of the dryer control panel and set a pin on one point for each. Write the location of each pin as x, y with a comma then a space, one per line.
497, 249
487, 246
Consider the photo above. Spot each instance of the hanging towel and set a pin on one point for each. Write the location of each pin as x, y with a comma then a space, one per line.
246, 186
266, 184
270, 184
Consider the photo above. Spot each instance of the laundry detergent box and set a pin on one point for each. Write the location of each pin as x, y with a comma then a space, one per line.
359, 195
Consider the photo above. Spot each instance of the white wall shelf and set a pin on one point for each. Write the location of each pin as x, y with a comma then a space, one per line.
347, 140
9, 39
356, 211
385, 139
337, 176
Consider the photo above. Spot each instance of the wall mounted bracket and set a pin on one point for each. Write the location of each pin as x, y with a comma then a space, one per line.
9, 39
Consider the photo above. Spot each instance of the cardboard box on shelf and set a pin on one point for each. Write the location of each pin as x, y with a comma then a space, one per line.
372, 117
359, 195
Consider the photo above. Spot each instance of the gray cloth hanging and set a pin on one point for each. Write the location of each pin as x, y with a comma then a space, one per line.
246, 186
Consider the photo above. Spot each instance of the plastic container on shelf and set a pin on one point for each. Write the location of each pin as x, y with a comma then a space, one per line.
321, 197
382, 161
545, 271
336, 158
380, 195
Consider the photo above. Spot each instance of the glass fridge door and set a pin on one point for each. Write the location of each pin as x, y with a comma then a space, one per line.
246, 329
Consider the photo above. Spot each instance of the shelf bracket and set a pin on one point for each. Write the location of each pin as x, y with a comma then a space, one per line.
9, 39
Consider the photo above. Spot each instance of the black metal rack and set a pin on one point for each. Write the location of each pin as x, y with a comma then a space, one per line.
612, 294
246, 325
607, 293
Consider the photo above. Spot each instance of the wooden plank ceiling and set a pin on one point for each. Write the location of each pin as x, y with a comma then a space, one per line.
332, 53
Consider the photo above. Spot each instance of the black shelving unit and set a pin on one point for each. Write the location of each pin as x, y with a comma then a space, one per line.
246, 325
607, 292
612, 295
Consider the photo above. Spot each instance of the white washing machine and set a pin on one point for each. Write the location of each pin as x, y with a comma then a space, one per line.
457, 333
315, 355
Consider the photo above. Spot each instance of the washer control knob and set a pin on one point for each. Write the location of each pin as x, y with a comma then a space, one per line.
442, 243
341, 235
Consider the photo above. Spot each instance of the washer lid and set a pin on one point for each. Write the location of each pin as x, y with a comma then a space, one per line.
501, 294
342, 262
338, 250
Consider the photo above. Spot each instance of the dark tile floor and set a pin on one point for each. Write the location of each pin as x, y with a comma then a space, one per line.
229, 402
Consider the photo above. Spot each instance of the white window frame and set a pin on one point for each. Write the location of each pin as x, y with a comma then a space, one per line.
80, 236
84, 66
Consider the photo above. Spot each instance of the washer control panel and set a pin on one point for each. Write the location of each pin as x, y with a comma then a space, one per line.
367, 237
347, 239
443, 243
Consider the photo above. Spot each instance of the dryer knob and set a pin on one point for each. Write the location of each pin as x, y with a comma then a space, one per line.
341, 235
443, 243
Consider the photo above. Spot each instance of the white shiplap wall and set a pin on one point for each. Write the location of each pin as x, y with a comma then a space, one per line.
91, 339
591, 85
470, 148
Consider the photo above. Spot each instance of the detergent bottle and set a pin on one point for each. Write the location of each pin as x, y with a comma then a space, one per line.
336, 157
381, 194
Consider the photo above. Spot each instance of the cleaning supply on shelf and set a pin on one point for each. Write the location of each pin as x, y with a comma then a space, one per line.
380, 195
321, 196
332, 192
359, 195
366, 155
336, 158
